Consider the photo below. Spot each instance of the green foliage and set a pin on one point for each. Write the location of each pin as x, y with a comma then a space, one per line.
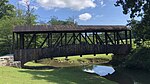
9, 18
54, 21
6, 9
134, 7
137, 8
139, 59
6, 26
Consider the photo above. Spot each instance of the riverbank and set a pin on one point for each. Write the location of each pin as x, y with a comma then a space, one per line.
60, 75
76, 60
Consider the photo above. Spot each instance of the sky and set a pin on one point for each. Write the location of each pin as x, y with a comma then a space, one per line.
85, 12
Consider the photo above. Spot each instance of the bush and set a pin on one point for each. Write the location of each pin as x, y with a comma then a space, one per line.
139, 59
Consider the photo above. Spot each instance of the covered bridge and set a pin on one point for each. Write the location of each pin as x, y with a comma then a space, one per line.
48, 41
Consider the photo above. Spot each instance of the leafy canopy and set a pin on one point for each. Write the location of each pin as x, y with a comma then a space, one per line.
6, 9
137, 8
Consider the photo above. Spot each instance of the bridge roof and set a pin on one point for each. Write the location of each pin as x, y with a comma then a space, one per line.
69, 28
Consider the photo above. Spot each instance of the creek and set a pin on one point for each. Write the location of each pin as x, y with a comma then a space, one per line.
121, 76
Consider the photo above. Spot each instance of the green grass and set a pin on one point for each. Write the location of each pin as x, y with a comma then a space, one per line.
77, 60
68, 75
65, 75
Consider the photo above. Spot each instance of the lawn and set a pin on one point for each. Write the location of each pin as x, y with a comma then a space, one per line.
63, 75
68, 75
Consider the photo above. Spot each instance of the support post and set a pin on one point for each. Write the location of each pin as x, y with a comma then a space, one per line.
79, 38
17, 41
66, 44
130, 38
126, 36
94, 47
51, 39
35, 41
96, 38
106, 41
13, 45
21, 41
74, 38
117, 37
48, 41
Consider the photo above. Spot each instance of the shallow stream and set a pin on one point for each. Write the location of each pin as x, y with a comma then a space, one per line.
121, 76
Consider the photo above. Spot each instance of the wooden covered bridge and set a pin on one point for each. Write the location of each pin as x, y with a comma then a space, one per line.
48, 41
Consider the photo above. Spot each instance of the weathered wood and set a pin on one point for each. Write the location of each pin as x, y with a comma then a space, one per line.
115, 37
126, 36
130, 37
110, 39
69, 43
21, 41
99, 39
31, 40
25, 56
68, 28
120, 38
44, 42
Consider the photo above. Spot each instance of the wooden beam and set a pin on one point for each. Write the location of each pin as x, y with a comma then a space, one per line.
118, 38
30, 41
85, 39
99, 39
13, 45
106, 43
89, 38
35, 41
106, 40
93, 37
70, 39
21, 41
74, 39
44, 42
126, 37
110, 39
130, 38
48, 41
59, 41
96, 38
65, 38
115, 37
79, 38
17, 41
51, 39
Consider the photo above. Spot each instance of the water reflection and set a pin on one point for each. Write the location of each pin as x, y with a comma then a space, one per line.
121, 76
101, 70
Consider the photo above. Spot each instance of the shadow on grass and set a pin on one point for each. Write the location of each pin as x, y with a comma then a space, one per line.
39, 67
70, 75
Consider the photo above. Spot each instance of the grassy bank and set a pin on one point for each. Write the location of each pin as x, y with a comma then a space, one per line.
77, 60
64, 75
68, 75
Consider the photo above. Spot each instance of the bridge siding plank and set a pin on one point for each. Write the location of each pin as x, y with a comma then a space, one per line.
26, 55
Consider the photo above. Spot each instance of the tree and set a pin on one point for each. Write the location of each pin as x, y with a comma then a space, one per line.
6, 9
137, 8
54, 21
134, 7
